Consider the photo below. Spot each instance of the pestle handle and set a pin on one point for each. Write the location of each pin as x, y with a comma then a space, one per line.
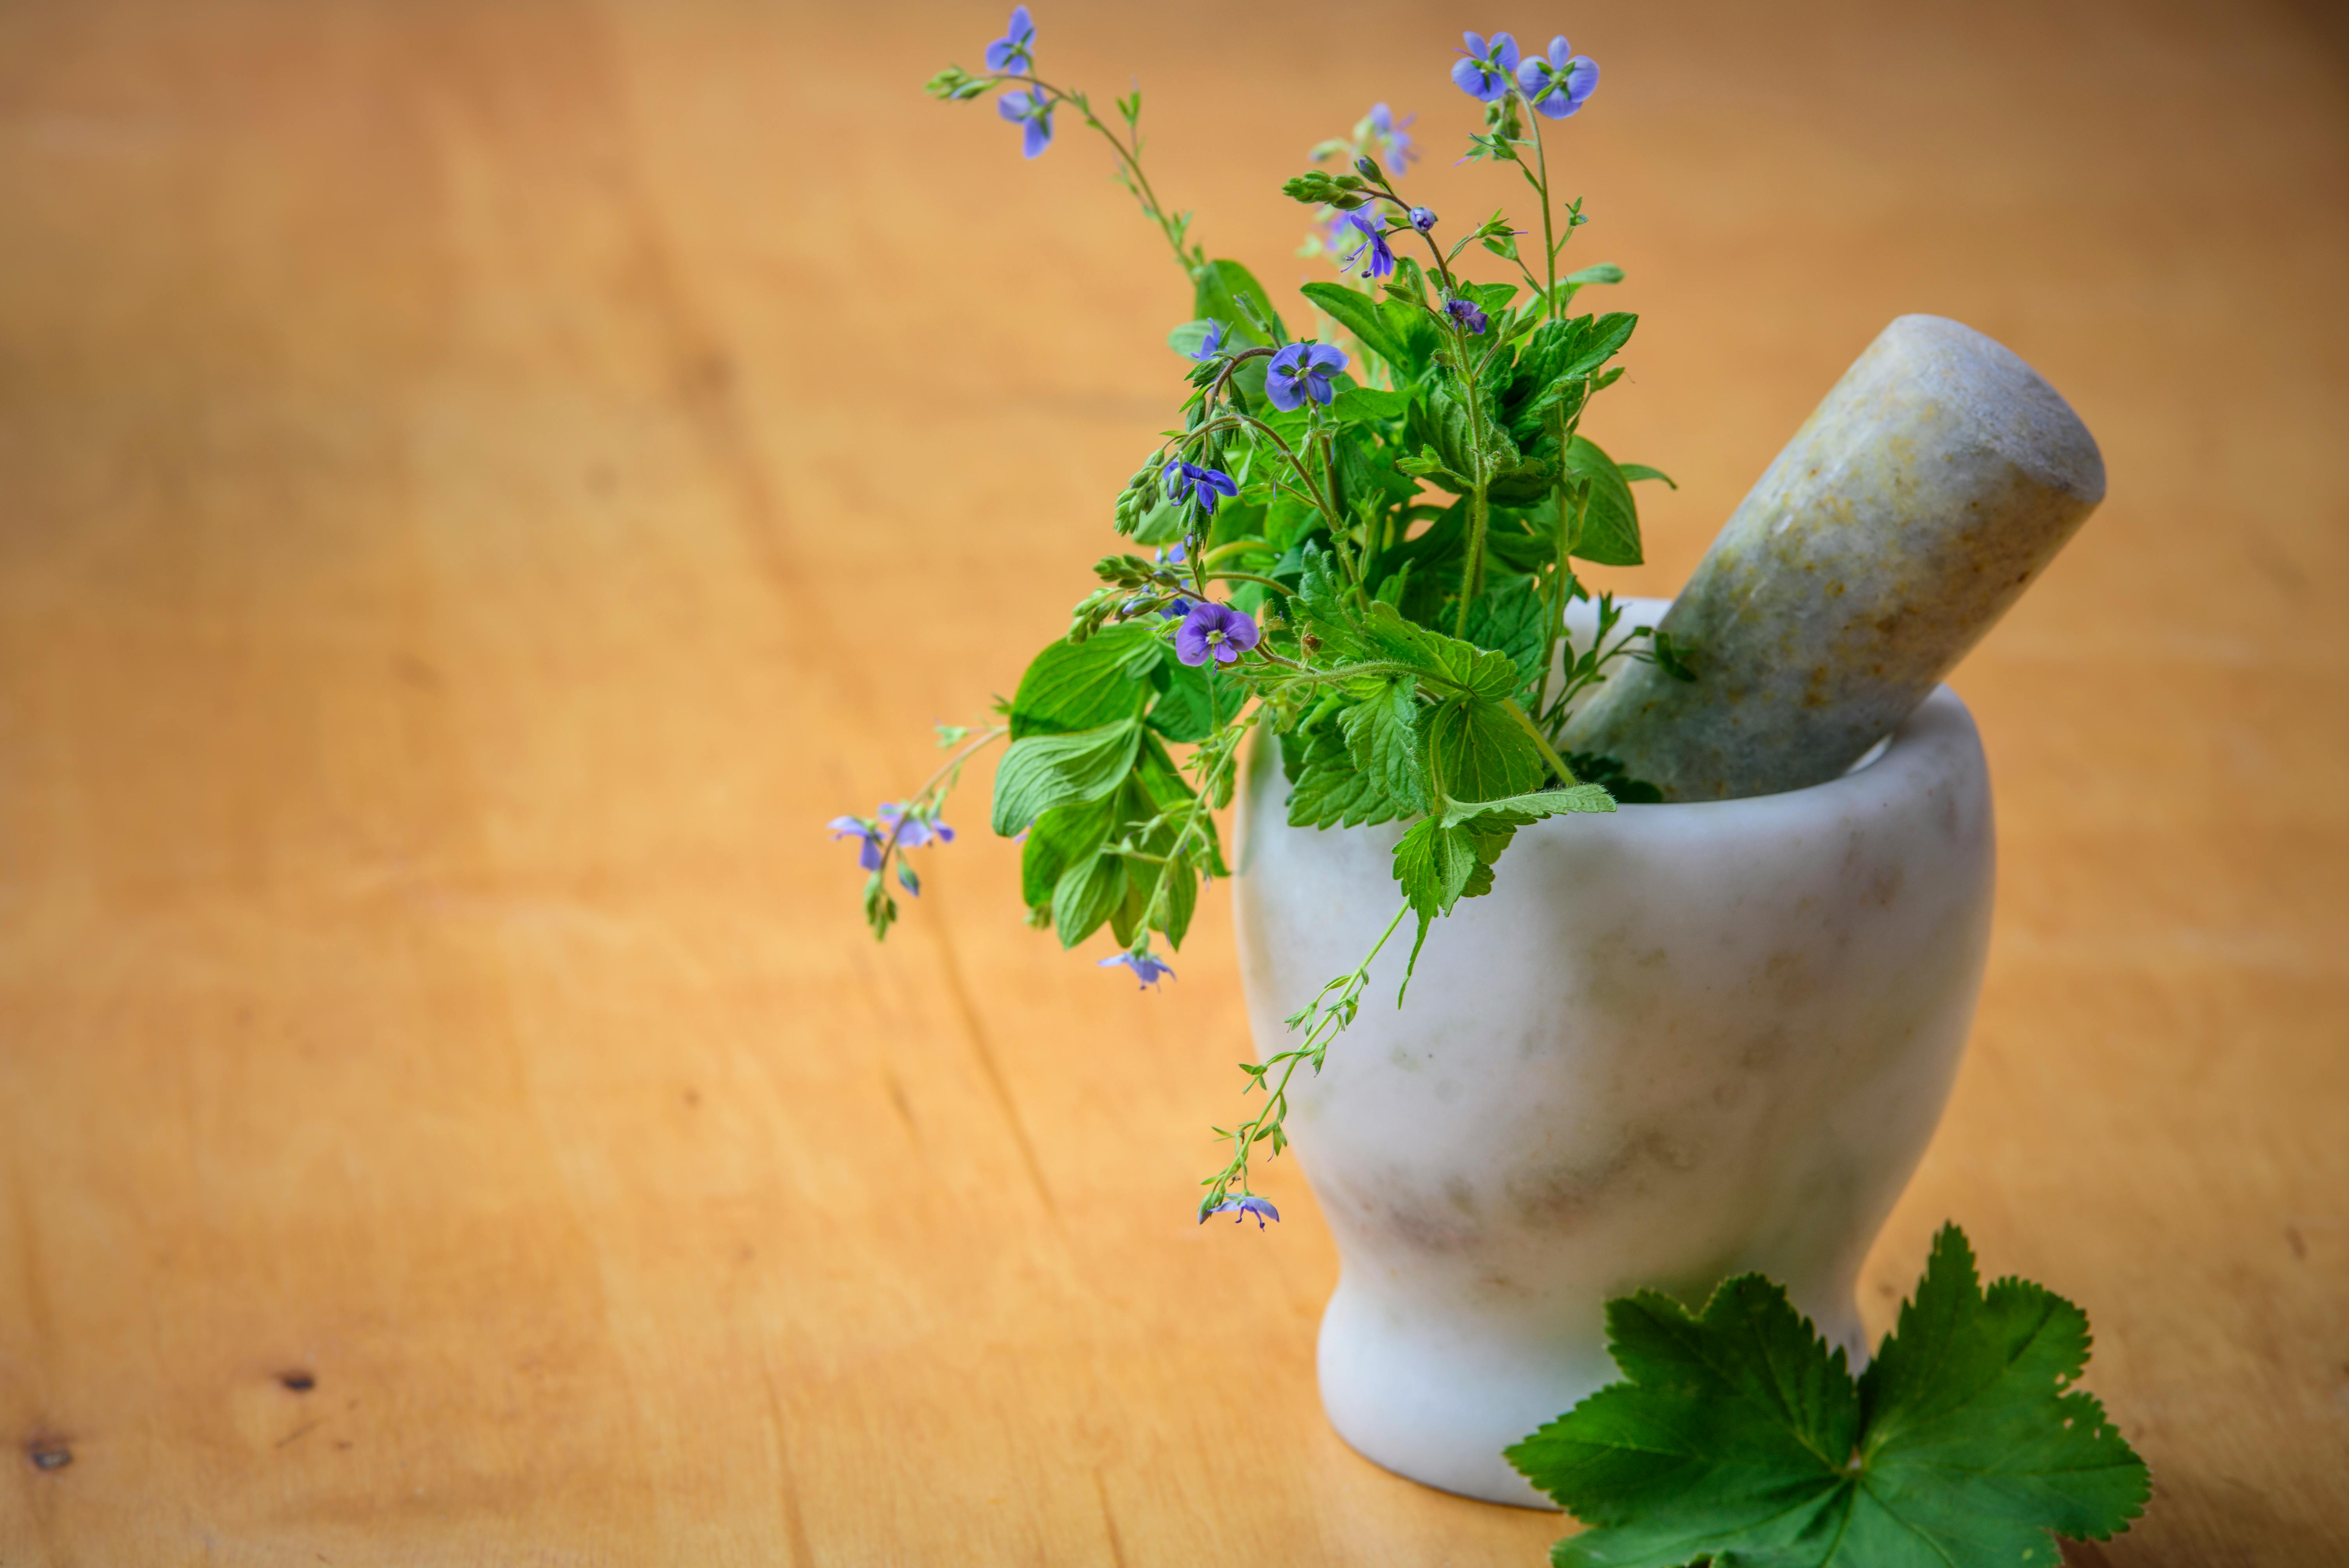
1938, 478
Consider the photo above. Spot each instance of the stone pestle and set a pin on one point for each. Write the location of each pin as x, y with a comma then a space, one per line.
1935, 481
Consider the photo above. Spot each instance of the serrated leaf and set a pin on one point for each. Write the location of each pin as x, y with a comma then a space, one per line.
1512, 617
1480, 753
1329, 790
1041, 771
1522, 810
1738, 1436
1383, 736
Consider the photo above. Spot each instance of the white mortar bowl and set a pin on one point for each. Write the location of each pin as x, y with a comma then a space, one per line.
1674, 1044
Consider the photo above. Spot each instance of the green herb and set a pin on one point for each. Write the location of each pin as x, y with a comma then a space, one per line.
1741, 1440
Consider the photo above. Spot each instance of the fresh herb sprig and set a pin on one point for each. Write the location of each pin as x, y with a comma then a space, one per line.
1362, 541
1738, 1437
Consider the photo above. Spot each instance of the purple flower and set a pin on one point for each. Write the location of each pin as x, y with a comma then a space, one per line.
1421, 219
1147, 967
1466, 312
1176, 608
916, 830
1391, 139
1016, 50
869, 855
1214, 630
1035, 110
1485, 70
1203, 488
1241, 1208
1212, 342
1554, 83
911, 832
1302, 370
1374, 241
1173, 555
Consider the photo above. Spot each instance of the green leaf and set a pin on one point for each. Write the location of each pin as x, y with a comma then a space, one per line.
1190, 337
1086, 895
1634, 472
1481, 753
1060, 839
1218, 289
1359, 314
1181, 713
1523, 810
1604, 273
1041, 771
1370, 403
1738, 1437
1512, 617
1383, 736
1491, 298
1610, 528
1457, 663
1329, 790
1072, 687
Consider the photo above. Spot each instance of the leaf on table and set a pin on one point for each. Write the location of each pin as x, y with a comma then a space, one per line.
1739, 1438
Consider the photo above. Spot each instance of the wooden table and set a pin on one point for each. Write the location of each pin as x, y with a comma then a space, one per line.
480, 484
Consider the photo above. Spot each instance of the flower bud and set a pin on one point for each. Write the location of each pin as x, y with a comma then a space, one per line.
1367, 168
1422, 219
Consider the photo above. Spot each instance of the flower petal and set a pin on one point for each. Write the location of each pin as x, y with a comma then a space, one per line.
1040, 134
1505, 52
1473, 79
1191, 640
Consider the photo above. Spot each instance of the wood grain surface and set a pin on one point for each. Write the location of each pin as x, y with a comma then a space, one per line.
480, 484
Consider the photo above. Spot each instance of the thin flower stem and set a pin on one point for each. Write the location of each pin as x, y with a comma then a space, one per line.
1550, 752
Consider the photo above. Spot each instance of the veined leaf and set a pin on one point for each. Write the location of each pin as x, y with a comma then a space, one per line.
1480, 753
1085, 895
1359, 314
1382, 735
1061, 838
1739, 1437
1041, 771
1511, 617
1329, 790
1072, 687
1370, 403
1610, 528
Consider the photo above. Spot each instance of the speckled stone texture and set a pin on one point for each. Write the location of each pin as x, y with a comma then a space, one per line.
1672, 1044
1937, 479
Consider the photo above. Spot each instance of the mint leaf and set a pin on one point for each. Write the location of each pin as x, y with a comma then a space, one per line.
1228, 291
1382, 734
1481, 753
1329, 790
1740, 1438
1511, 617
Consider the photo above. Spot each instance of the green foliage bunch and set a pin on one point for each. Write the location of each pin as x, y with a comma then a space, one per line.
1362, 539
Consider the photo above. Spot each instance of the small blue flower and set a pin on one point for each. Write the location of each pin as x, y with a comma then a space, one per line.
1485, 69
1241, 1208
1466, 312
1216, 631
868, 855
1016, 50
911, 832
1173, 555
1302, 370
1393, 141
1203, 488
1374, 241
1032, 109
1558, 84
1211, 343
1422, 219
1146, 966
1176, 608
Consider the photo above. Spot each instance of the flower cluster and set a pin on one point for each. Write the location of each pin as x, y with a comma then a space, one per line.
1555, 82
